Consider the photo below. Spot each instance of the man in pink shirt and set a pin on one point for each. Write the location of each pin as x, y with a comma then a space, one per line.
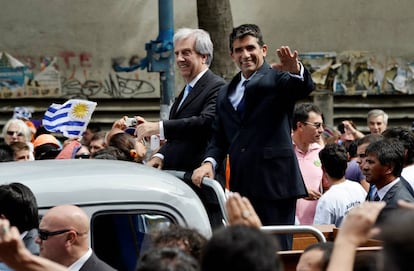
307, 130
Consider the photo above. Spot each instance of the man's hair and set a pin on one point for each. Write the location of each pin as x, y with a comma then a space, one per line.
388, 152
334, 160
244, 30
18, 204
241, 248
406, 137
98, 136
19, 146
176, 235
352, 148
301, 113
167, 259
378, 112
326, 248
6, 153
203, 44
94, 127
370, 138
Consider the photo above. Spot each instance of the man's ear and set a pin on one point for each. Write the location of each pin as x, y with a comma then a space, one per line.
299, 124
264, 49
390, 169
71, 237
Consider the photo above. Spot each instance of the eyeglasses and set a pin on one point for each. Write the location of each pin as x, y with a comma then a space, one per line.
44, 235
11, 133
317, 125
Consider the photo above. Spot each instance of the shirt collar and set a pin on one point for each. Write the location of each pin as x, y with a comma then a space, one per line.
242, 78
195, 80
76, 266
381, 192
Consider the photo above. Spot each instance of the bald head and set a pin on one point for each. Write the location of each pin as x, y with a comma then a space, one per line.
69, 241
68, 217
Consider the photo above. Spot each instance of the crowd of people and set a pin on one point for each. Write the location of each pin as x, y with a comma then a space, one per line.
268, 149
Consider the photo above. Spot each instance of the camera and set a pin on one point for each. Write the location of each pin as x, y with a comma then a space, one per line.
131, 122
341, 128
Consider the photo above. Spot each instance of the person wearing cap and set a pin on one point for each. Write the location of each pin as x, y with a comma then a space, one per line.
46, 146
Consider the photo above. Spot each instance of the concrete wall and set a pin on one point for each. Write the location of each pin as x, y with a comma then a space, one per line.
86, 35
380, 26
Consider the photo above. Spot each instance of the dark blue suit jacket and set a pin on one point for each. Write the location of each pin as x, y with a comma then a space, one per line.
189, 127
263, 164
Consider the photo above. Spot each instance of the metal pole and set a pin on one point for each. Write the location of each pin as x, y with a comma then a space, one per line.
166, 32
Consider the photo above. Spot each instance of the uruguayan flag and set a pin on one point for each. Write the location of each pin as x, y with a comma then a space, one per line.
70, 118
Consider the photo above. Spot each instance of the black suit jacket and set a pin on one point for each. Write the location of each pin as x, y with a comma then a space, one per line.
397, 192
263, 164
95, 264
189, 127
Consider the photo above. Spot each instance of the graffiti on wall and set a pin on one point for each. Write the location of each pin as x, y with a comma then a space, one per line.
73, 75
360, 73
114, 86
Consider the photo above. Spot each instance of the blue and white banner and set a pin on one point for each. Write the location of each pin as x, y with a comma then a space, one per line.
70, 118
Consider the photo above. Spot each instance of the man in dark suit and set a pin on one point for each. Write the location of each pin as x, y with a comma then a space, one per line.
188, 128
382, 167
253, 126
63, 238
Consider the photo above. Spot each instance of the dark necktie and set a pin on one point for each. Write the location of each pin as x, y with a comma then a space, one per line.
376, 197
241, 105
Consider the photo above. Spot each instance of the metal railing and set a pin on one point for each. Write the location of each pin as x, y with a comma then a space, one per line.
212, 184
295, 229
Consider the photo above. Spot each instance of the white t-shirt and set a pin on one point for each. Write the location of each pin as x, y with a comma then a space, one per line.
408, 174
335, 203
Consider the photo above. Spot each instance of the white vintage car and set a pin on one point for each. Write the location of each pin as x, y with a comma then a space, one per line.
125, 200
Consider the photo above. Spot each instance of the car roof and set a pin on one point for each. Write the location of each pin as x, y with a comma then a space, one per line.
98, 181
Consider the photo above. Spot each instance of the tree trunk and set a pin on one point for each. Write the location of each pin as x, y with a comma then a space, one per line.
215, 17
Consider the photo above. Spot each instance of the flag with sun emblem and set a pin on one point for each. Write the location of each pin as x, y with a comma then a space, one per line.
70, 118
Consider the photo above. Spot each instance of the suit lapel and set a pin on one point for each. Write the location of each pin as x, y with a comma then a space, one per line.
251, 86
197, 89
231, 87
391, 193
174, 107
